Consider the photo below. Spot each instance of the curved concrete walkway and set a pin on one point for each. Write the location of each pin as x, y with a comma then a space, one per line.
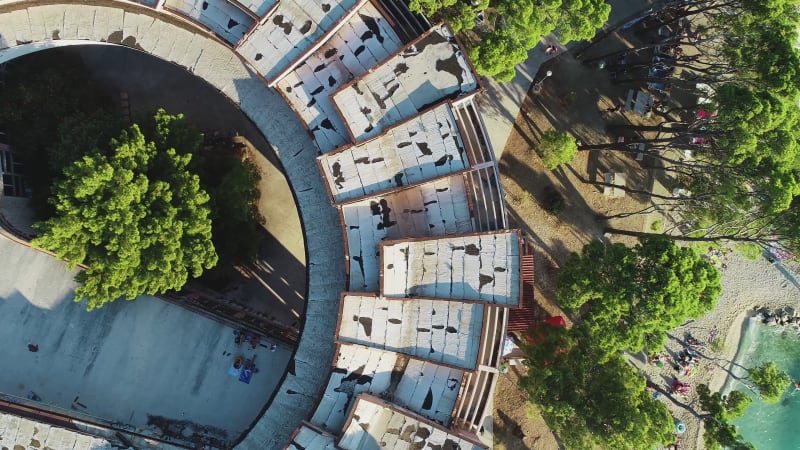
29, 26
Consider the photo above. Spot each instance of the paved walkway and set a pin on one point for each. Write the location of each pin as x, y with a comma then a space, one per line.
127, 362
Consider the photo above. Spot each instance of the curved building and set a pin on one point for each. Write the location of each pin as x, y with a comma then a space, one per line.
411, 268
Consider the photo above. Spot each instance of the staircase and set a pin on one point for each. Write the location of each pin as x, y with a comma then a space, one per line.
522, 318
408, 25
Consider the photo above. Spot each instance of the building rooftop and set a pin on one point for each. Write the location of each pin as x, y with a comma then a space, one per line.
424, 387
257, 7
435, 208
428, 71
222, 17
307, 438
479, 267
363, 41
425, 147
375, 425
444, 331
18, 432
295, 26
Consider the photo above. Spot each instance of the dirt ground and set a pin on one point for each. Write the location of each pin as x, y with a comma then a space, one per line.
573, 99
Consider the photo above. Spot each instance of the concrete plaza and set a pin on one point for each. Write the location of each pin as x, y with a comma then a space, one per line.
127, 362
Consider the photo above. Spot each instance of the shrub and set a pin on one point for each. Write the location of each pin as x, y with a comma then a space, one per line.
657, 226
552, 201
751, 252
556, 148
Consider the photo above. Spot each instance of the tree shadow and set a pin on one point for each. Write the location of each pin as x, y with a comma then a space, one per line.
506, 426
535, 182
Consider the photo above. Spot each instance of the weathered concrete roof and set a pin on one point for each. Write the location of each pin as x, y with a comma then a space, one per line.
427, 146
258, 7
220, 16
363, 41
376, 425
307, 438
435, 208
444, 331
18, 432
293, 27
424, 387
187, 46
479, 267
428, 71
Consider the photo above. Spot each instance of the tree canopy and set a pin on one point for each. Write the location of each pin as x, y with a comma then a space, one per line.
721, 409
135, 216
41, 92
770, 381
740, 120
591, 404
508, 29
630, 297
556, 148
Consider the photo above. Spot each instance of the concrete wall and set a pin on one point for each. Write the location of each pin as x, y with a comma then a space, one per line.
27, 26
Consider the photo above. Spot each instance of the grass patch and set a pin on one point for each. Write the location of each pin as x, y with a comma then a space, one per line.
657, 226
751, 252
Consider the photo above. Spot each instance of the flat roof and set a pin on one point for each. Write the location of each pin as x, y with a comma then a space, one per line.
427, 388
425, 147
19, 432
435, 208
225, 19
479, 267
443, 331
258, 7
428, 71
292, 27
363, 41
307, 438
376, 425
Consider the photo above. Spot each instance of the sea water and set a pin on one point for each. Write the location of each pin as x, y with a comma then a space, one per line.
773, 426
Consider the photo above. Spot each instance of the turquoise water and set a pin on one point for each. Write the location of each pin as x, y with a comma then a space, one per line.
771, 426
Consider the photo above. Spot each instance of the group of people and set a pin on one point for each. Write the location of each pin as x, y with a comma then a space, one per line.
686, 361
679, 387
550, 50
253, 339
241, 337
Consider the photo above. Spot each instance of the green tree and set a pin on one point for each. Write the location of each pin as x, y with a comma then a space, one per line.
229, 177
721, 409
511, 28
589, 404
234, 206
39, 92
556, 148
80, 134
744, 175
630, 297
770, 381
135, 216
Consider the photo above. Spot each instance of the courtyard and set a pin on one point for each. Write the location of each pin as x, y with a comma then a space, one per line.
148, 364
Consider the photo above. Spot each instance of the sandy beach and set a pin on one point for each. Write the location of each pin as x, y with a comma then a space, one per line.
747, 286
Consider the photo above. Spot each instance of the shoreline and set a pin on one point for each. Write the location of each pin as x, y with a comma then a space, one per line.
747, 286
732, 348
